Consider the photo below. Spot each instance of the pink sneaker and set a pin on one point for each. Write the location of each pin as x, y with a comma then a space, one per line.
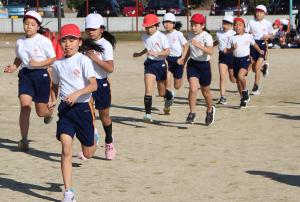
110, 151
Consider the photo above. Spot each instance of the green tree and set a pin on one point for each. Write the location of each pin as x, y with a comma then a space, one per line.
74, 4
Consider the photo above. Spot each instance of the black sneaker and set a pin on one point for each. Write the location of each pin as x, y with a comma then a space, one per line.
265, 69
210, 116
255, 90
222, 100
243, 104
23, 145
48, 119
246, 96
191, 118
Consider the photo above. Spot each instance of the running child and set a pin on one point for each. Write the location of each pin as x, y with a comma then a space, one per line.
239, 44
178, 51
103, 66
198, 68
155, 68
262, 31
75, 76
225, 59
34, 53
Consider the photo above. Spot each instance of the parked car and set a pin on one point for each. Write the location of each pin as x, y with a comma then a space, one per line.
103, 7
161, 7
129, 9
15, 8
283, 7
3, 12
225, 7
46, 8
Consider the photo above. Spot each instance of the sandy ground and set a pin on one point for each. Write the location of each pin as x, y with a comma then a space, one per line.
248, 154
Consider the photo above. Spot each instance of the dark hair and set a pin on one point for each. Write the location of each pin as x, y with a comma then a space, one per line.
90, 44
109, 37
177, 25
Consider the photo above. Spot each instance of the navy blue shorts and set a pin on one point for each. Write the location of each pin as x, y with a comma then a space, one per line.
77, 119
102, 96
157, 68
175, 68
226, 58
35, 83
200, 70
240, 63
254, 54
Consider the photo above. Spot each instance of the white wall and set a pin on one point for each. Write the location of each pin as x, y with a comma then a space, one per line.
115, 24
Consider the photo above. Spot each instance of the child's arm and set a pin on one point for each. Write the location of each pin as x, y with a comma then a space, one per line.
53, 95
13, 67
163, 53
91, 87
44, 63
140, 53
206, 49
106, 65
185, 49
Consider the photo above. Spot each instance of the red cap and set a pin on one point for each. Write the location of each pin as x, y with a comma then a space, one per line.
238, 19
198, 18
277, 22
70, 30
149, 20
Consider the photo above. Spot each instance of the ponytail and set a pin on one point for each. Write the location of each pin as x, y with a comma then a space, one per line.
109, 37
178, 25
90, 44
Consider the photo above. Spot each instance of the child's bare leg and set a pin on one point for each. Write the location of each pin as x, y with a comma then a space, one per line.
66, 159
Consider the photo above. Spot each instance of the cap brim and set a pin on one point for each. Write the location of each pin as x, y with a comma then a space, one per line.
29, 16
69, 35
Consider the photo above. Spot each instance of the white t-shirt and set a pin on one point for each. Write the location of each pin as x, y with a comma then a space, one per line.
259, 28
108, 54
196, 53
223, 38
156, 42
72, 74
176, 41
243, 43
38, 48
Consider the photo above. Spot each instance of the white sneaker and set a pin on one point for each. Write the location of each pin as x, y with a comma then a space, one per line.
147, 118
69, 196
97, 137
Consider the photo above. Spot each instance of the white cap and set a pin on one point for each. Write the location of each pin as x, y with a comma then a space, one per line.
169, 17
262, 8
93, 21
284, 21
34, 15
228, 18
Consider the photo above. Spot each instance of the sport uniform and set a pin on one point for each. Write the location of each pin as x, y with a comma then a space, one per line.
34, 81
176, 41
155, 64
198, 65
73, 74
223, 38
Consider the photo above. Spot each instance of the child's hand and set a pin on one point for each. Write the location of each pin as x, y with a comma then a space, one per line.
92, 55
10, 68
34, 63
235, 46
71, 99
265, 37
52, 105
152, 53
180, 61
196, 43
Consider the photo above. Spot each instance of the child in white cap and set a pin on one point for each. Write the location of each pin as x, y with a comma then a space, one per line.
262, 31
34, 53
103, 65
225, 59
178, 51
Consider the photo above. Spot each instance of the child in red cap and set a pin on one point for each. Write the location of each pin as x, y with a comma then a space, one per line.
239, 44
155, 68
74, 75
198, 68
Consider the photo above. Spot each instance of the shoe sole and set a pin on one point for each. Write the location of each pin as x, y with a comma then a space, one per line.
167, 111
253, 93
